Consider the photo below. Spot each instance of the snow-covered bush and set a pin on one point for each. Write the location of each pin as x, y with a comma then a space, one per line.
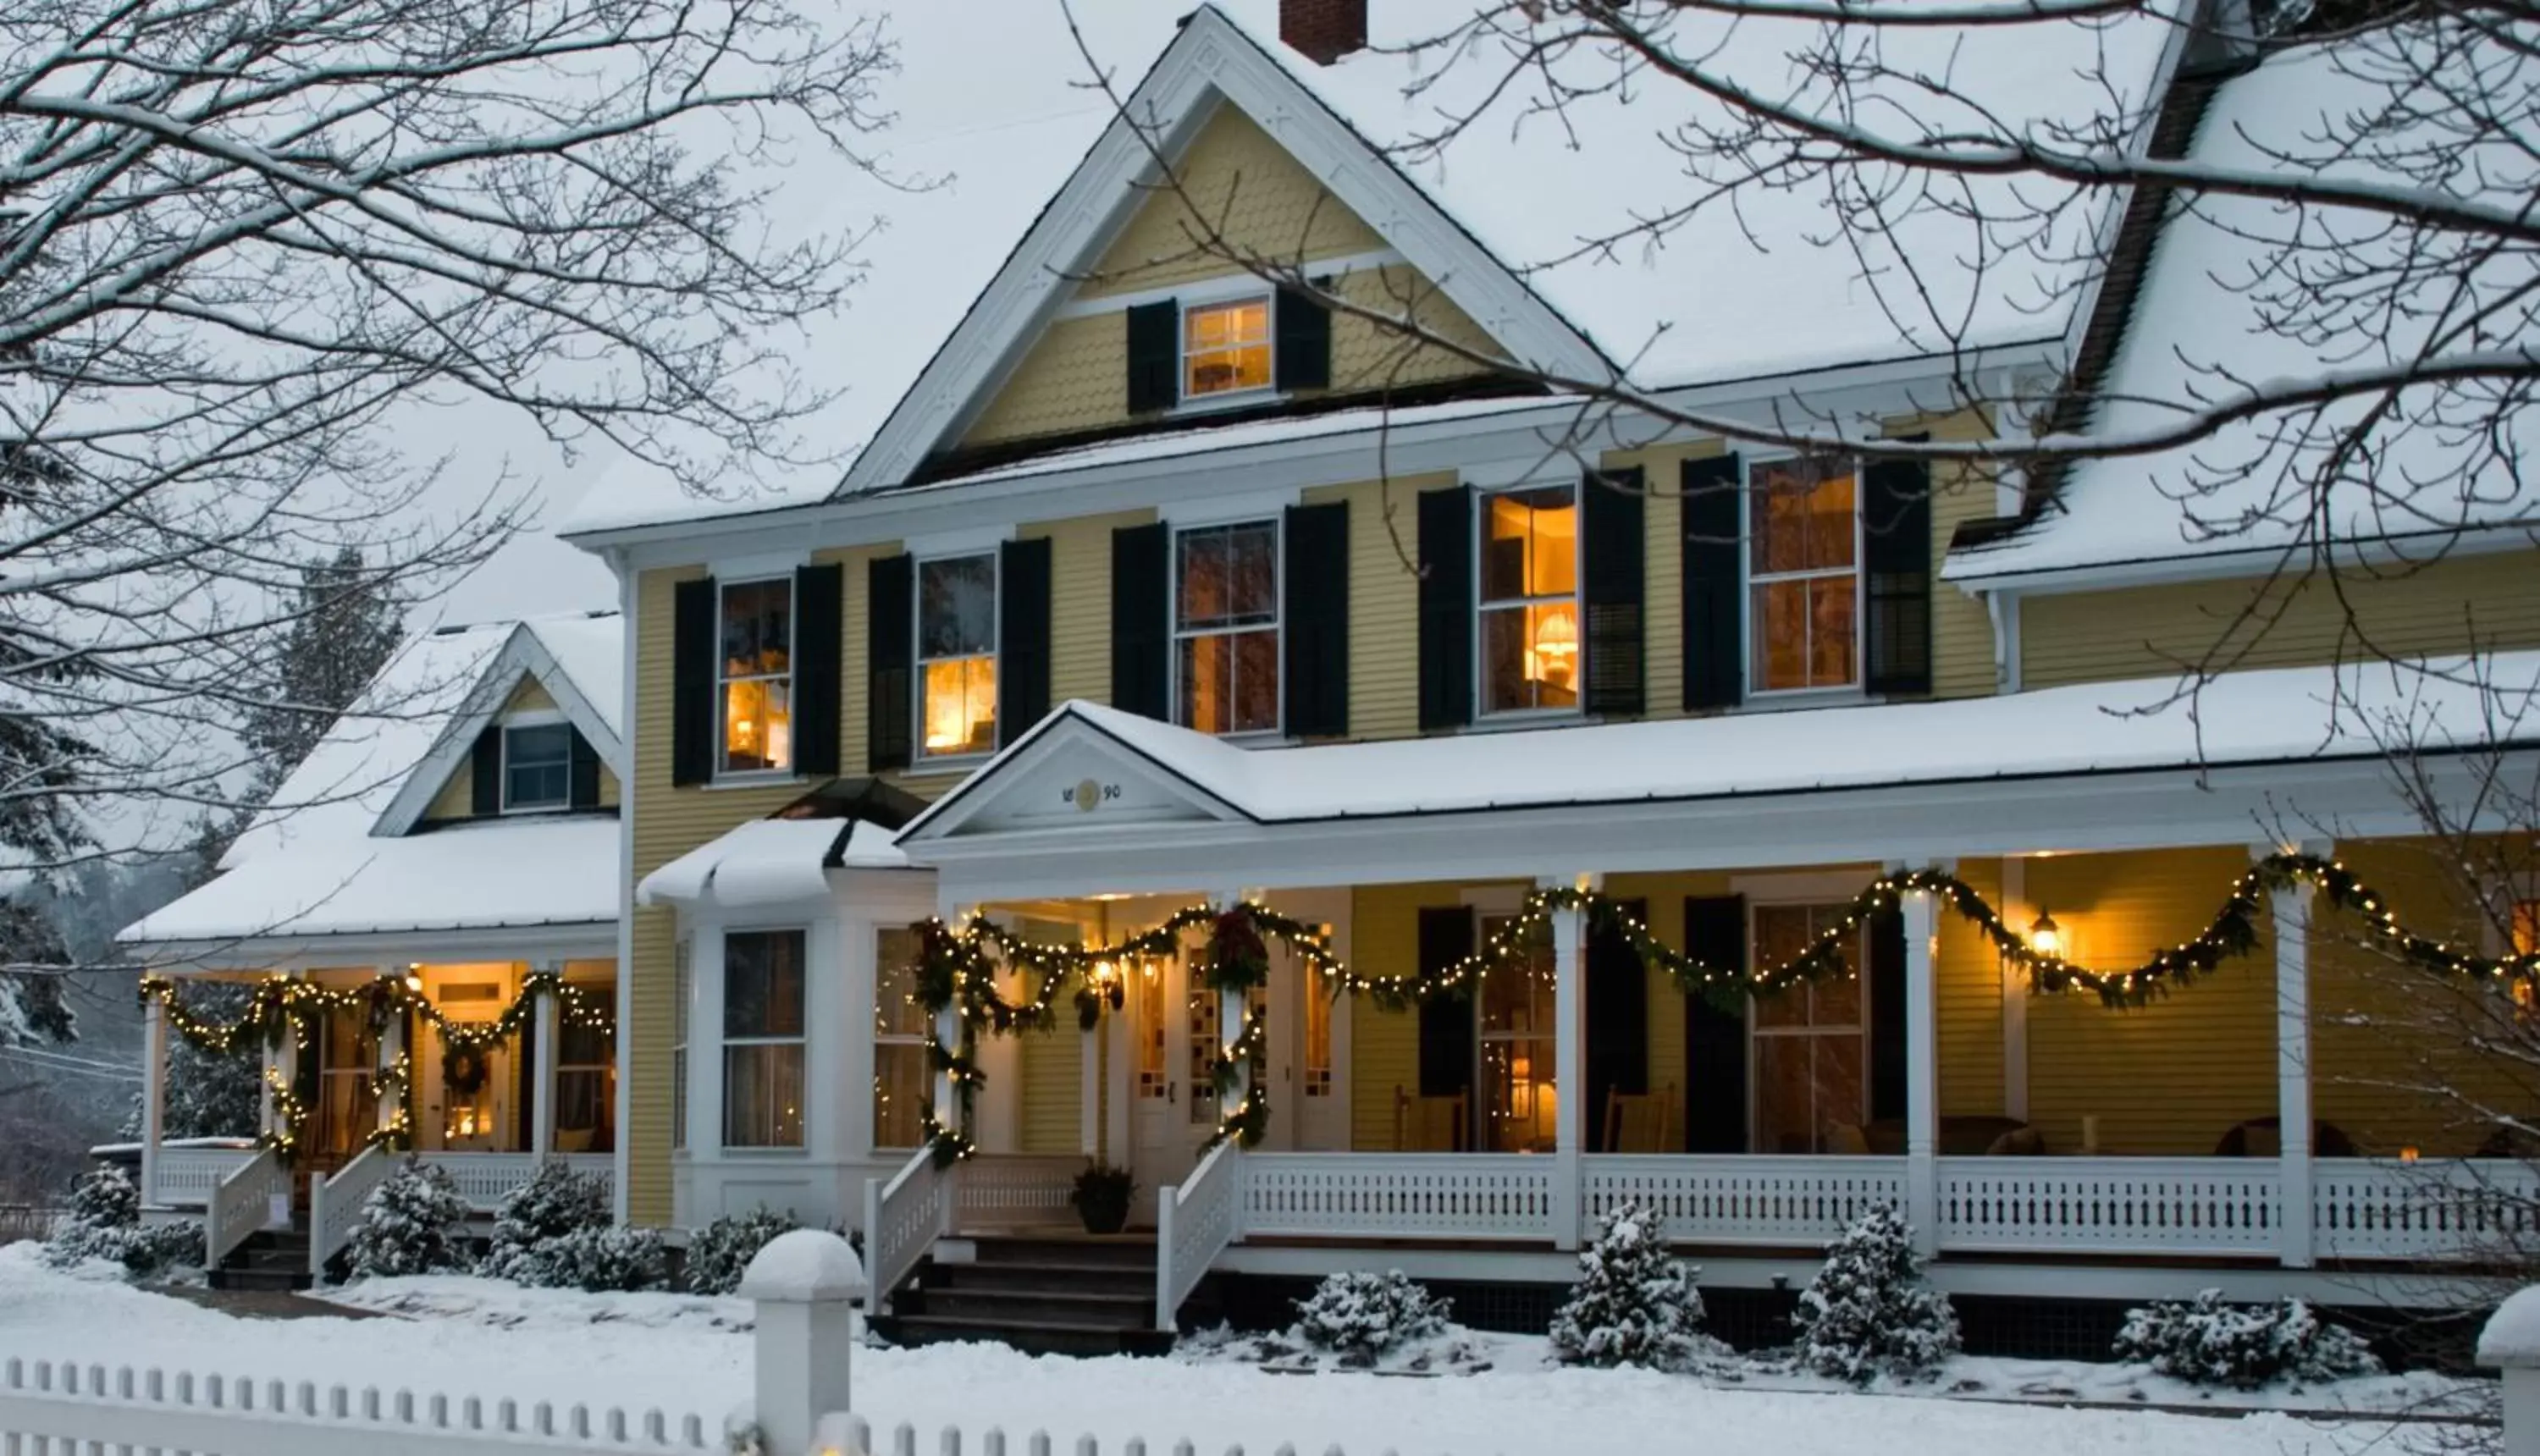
600, 1258
2206, 1342
105, 1222
1361, 1316
554, 1204
721, 1252
1868, 1313
409, 1224
1634, 1304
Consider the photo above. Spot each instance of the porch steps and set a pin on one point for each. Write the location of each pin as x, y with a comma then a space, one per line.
270, 1259
1046, 1295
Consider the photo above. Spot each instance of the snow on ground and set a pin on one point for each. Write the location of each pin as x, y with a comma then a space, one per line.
684, 1353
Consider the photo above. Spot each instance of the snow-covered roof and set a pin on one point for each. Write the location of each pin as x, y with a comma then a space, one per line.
322, 862
2244, 718
2199, 334
1721, 294
767, 861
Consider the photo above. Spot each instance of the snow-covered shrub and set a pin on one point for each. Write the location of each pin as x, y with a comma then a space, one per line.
721, 1252
1634, 1304
554, 1204
1868, 1313
1361, 1315
409, 1224
2206, 1342
105, 1222
600, 1258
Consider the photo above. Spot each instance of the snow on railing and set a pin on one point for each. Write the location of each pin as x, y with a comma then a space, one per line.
185, 1174
242, 1204
1195, 1224
2202, 1207
1723, 1199
1004, 1189
335, 1204
902, 1221
2427, 1209
1401, 1195
44, 1406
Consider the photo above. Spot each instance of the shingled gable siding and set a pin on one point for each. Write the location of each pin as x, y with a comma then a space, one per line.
456, 797
1075, 376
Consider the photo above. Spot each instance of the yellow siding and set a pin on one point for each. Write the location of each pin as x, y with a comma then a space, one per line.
1053, 1066
1384, 602
1963, 665
1966, 985
1075, 377
1384, 1046
532, 696
1245, 186
1080, 602
2153, 631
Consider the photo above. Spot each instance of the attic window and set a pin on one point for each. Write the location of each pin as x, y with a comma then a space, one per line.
537, 767
1226, 347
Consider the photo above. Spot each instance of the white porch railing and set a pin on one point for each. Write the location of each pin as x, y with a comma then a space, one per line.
1728, 1200
2130, 1206
185, 1176
484, 1178
1401, 1194
902, 1221
1009, 1190
335, 1204
242, 1204
2426, 1210
1195, 1221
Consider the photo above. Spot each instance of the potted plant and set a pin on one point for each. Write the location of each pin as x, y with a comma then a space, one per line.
1102, 1195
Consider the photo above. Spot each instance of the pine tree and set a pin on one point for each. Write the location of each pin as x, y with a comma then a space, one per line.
343, 630
1867, 1313
32, 1004
538, 1216
1634, 1304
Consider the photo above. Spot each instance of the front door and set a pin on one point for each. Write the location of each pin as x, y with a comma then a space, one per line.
347, 1111
1172, 1083
466, 1098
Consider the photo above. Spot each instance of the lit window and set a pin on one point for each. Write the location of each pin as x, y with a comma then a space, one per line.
1225, 348
1802, 569
956, 654
1529, 600
2526, 927
1146, 984
537, 767
1809, 1046
899, 1042
756, 677
1225, 624
586, 1118
1519, 1102
762, 1039
1319, 991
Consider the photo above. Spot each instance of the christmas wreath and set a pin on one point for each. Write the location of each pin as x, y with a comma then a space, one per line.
1237, 958
462, 1070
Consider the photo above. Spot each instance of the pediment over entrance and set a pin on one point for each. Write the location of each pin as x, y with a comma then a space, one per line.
1071, 774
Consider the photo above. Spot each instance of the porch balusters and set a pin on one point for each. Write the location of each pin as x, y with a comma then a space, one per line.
2292, 909
154, 1093
542, 1102
1922, 1077
1569, 1066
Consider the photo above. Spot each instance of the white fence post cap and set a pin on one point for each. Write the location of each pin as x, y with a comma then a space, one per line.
808, 1266
2511, 1339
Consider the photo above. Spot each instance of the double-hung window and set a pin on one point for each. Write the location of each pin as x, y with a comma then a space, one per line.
1226, 347
1225, 627
956, 655
1529, 600
1519, 1102
755, 684
762, 1039
1810, 1040
899, 1042
537, 767
586, 1088
1804, 576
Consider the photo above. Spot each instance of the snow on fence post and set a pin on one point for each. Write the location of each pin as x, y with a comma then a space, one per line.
2511, 1344
804, 1285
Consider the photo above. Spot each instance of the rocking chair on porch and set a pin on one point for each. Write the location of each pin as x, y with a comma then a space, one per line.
1428, 1124
1640, 1122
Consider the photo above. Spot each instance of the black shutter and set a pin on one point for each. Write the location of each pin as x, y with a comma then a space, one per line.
1896, 532
1613, 593
485, 772
693, 653
1715, 1040
1618, 1020
819, 610
1446, 608
584, 773
1317, 621
1141, 621
1446, 1021
889, 650
1715, 616
1023, 638
1884, 945
1303, 335
1155, 357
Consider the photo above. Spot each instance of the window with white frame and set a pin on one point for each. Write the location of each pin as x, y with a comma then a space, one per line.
1319, 996
762, 1038
755, 678
1226, 347
1804, 576
1155, 1032
956, 655
683, 986
1514, 1022
899, 1042
1225, 627
586, 1084
537, 766
1528, 598
1810, 1043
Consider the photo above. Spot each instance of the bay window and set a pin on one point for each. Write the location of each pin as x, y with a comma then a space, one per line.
537, 767
901, 1073
1804, 576
1810, 1041
1519, 1102
1226, 347
754, 687
1528, 590
956, 655
762, 1039
1225, 628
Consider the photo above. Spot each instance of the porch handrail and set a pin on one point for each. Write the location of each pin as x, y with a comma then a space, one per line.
903, 1218
242, 1204
335, 1204
1195, 1221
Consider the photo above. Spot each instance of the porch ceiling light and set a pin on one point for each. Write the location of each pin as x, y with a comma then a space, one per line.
2045, 936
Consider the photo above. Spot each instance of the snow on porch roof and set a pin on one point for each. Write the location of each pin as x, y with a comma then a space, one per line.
2284, 715
766, 861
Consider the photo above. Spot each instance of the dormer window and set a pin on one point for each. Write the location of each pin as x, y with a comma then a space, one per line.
537, 767
1226, 347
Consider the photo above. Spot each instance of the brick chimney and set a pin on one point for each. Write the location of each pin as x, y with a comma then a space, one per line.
1323, 30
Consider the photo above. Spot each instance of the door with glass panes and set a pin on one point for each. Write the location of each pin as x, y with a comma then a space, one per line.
1174, 1035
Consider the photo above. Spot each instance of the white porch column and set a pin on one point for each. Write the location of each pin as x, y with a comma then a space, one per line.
393, 1105
545, 1023
2292, 908
154, 1093
1089, 1087
1569, 1064
2014, 994
281, 1072
1922, 1077
1230, 1008
947, 1099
